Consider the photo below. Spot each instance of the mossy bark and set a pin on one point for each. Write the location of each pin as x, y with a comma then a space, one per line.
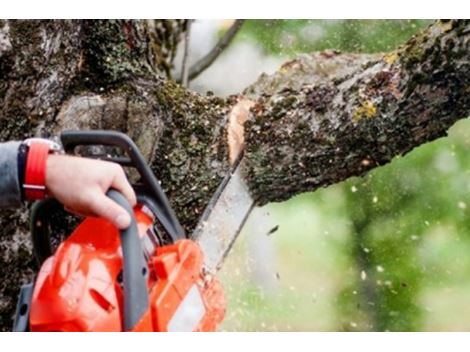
304, 136
320, 119
58, 75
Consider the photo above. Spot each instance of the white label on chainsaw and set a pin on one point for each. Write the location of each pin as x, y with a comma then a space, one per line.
189, 313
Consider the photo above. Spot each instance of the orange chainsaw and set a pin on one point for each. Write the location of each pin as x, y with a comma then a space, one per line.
149, 277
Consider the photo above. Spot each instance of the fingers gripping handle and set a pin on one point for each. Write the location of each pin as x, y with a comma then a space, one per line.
165, 214
134, 269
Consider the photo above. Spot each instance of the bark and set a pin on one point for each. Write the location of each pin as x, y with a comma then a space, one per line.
303, 136
320, 119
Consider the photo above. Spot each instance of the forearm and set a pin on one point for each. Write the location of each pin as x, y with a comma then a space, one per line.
10, 194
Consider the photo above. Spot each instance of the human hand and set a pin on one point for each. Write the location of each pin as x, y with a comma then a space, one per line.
80, 184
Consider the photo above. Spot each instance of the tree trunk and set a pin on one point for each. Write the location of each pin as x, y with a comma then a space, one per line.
318, 120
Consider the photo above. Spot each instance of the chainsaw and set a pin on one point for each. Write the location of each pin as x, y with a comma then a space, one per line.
149, 277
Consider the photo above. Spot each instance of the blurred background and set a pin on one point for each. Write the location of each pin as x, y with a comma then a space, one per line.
386, 252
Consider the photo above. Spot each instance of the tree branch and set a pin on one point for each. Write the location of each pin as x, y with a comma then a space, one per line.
221, 45
304, 136
184, 66
319, 120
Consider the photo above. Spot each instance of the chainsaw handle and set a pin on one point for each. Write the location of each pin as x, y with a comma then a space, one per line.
41, 216
134, 270
71, 139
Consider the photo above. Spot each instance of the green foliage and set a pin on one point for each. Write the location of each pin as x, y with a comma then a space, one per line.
399, 210
290, 37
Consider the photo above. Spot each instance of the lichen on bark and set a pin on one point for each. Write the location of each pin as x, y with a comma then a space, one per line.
321, 133
36, 72
193, 153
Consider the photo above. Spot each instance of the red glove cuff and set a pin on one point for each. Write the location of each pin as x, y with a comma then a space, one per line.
35, 174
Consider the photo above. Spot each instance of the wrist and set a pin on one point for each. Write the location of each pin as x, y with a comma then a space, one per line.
53, 170
35, 174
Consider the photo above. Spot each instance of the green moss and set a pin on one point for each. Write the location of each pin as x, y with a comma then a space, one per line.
193, 155
423, 45
171, 95
283, 105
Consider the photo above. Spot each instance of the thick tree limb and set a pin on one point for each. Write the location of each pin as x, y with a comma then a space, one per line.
318, 120
302, 137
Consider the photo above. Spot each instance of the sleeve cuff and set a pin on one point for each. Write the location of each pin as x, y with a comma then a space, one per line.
10, 190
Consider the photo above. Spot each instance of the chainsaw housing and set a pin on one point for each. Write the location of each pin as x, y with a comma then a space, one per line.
149, 277
79, 288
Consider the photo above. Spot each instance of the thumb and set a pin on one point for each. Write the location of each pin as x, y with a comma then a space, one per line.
106, 208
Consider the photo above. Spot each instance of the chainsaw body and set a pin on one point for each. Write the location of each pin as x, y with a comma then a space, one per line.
79, 288
146, 278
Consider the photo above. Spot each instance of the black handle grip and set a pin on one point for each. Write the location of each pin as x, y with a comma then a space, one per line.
72, 139
135, 271
165, 214
41, 215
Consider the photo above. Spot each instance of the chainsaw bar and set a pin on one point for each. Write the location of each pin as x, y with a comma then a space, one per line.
223, 218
